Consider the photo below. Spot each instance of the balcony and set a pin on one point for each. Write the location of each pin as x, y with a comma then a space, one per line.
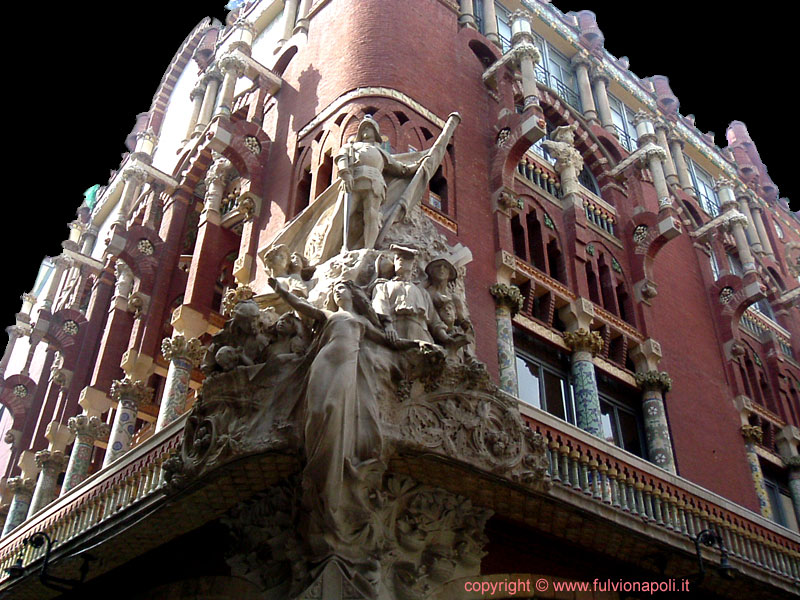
545, 77
763, 328
607, 499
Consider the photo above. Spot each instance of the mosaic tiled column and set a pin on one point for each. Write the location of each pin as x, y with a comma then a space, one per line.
86, 430
4, 508
22, 488
753, 435
129, 395
508, 301
183, 356
584, 345
659, 445
51, 463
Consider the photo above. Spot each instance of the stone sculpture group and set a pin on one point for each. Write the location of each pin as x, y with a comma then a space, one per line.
360, 354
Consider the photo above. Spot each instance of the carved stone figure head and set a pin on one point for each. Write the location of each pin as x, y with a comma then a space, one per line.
441, 269
404, 261
277, 260
564, 133
287, 325
368, 130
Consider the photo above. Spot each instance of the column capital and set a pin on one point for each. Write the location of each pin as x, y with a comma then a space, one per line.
179, 346
598, 73
232, 63
212, 74
128, 390
133, 174
23, 485
752, 434
792, 462
584, 340
508, 296
55, 459
199, 90
235, 295
654, 381
582, 59
86, 426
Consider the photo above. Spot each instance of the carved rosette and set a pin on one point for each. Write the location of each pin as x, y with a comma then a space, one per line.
654, 381
233, 296
752, 434
507, 296
583, 340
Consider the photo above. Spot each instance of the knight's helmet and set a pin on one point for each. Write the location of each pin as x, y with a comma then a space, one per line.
368, 121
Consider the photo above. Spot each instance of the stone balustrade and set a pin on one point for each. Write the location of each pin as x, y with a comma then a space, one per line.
588, 466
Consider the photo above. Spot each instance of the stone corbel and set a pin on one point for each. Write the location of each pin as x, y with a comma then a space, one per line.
252, 69
138, 304
650, 233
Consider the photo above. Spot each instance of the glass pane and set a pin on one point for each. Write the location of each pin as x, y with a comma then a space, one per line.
629, 432
528, 382
554, 395
788, 511
607, 419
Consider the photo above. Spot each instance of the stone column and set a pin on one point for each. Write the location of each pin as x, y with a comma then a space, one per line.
735, 221
653, 156
86, 430
183, 355
490, 22
684, 179
582, 63
14, 333
466, 16
659, 444
523, 45
600, 85
585, 344
129, 395
232, 68
508, 302
662, 131
50, 463
289, 17
134, 178
743, 199
89, 239
212, 78
60, 265
758, 220
22, 489
753, 435
302, 17
196, 96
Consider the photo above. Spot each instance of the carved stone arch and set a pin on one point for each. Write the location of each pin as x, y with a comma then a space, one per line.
65, 334
284, 58
141, 253
248, 151
16, 395
731, 295
176, 67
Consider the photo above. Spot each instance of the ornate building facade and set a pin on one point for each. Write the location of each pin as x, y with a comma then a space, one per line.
354, 321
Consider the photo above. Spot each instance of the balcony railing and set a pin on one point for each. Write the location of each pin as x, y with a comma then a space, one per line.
131, 480
628, 142
539, 175
565, 92
591, 467
760, 326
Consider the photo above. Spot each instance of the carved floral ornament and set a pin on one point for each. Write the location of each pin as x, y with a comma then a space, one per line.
792, 462
178, 347
52, 459
654, 381
509, 296
21, 485
86, 426
752, 434
583, 340
128, 390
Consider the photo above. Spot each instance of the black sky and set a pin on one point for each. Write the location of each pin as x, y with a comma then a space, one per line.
73, 103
